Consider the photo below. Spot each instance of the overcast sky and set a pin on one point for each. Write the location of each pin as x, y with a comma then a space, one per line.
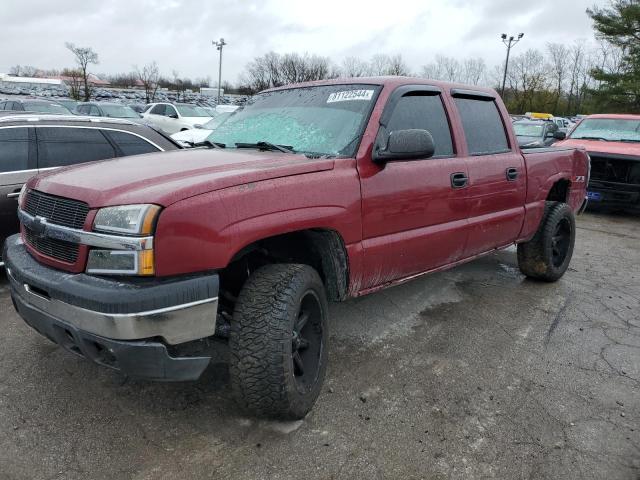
177, 34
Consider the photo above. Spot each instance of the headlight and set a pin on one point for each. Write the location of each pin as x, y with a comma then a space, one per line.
124, 220
127, 219
121, 262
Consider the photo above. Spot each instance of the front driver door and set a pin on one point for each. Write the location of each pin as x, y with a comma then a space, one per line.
414, 217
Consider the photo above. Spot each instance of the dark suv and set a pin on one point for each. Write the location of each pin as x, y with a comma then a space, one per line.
30, 144
34, 105
107, 109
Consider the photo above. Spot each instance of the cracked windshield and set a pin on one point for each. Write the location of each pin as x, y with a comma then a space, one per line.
324, 120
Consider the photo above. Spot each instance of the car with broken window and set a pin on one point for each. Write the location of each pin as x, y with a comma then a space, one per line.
32, 143
537, 133
613, 143
157, 265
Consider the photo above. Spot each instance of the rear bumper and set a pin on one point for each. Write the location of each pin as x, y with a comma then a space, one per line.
125, 326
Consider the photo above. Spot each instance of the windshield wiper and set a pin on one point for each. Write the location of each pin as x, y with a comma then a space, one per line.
267, 146
208, 143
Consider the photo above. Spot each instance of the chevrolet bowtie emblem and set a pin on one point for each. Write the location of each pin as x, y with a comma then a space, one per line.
38, 226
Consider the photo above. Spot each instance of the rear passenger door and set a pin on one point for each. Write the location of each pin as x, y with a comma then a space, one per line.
413, 218
17, 165
63, 146
497, 178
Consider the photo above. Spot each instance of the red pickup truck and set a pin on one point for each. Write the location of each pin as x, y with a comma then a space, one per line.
613, 144
313, 192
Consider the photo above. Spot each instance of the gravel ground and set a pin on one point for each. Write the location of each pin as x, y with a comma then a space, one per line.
471, 373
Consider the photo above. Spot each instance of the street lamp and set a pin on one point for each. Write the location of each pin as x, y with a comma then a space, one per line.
509, 42
219, 44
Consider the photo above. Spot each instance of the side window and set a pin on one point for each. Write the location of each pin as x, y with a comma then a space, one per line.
14, 149
157, 110
2, 105
425, 112
84, 109
130, 144
63, 146
10, 106
170, 111
94, 111
18, 106
482, 124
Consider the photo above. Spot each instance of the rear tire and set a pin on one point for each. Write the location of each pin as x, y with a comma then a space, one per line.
278, 341
547, 255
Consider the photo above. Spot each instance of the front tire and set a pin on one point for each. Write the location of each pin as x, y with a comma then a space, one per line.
278, 341
547, 255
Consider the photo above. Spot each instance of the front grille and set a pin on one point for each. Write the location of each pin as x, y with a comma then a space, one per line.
58, 210
63, 251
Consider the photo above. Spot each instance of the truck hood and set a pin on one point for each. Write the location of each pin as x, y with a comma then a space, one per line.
168, 177
599, 146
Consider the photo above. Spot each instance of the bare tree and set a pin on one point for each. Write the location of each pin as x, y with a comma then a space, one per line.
274, 70
529, 79
149, 75
354, 67
473, 71
559, 65
74, 81
23, 71
84, 57
383, 64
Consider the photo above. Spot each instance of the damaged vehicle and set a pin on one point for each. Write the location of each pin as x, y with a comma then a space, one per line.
613, 143
157, 266
537, 133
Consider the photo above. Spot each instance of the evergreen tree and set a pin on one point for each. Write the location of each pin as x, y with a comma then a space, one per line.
619, 25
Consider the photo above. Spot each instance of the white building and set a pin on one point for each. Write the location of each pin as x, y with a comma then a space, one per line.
10, 81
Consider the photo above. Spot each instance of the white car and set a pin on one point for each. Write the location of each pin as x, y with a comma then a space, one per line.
187, 138
172, 118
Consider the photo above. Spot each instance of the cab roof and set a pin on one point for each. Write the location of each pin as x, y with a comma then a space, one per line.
389, 81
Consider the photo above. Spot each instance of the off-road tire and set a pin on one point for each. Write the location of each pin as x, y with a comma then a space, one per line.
536, 257
262, 371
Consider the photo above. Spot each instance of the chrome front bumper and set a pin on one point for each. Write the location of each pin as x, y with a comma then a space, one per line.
176, 310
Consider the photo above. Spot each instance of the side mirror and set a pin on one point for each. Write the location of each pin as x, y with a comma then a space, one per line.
558, 135
197, 125
173, 115
411, 144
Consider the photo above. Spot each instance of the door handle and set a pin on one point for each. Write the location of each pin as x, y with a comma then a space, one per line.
459, 180
512, 174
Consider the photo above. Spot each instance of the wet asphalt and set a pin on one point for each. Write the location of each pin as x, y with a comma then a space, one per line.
466, 374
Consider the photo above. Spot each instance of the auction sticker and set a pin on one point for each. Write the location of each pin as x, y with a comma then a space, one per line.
349, 95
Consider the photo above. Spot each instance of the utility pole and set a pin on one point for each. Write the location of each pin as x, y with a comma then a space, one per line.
509, 42
219, 44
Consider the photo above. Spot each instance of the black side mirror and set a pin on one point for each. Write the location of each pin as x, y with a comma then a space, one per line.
173, 115
558, 135
411, 144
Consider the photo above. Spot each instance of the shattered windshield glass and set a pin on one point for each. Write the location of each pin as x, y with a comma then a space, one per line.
610, 129
322, 120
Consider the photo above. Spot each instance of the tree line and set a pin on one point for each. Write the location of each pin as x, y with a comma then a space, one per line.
564, 79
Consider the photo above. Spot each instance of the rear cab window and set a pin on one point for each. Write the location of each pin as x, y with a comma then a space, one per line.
482, 124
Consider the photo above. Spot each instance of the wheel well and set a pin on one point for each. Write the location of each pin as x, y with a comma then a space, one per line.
322, 249
560, 191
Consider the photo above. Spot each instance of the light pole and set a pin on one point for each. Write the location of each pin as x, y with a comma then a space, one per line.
219, 44
509, 42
